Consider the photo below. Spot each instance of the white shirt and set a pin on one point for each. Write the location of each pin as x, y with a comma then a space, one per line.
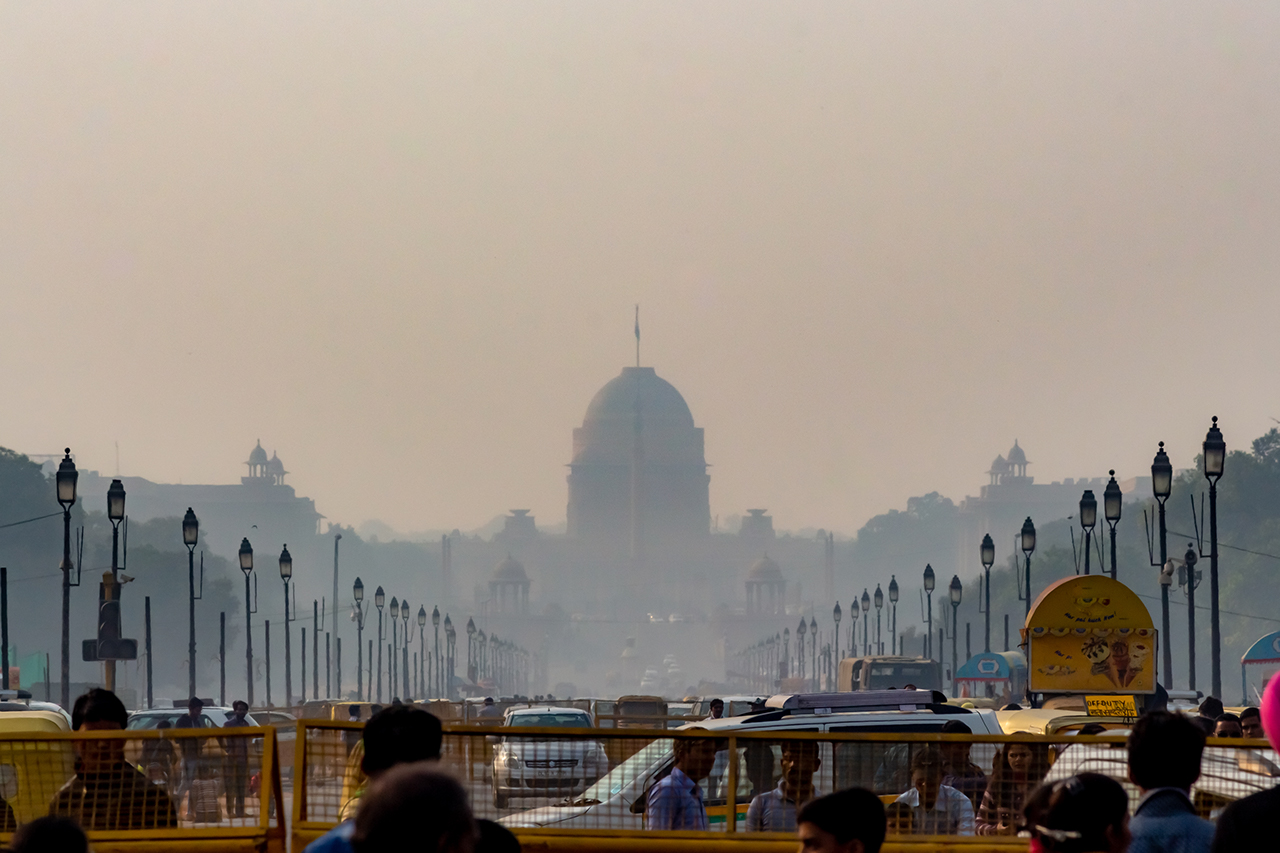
952, 813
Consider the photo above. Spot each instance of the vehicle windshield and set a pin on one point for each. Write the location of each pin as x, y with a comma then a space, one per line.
612, 783
150, 721
885, 675
551, 721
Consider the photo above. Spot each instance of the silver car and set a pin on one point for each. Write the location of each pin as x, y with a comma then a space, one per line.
542, 765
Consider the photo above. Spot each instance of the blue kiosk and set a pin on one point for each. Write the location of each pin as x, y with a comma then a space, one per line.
1265, 653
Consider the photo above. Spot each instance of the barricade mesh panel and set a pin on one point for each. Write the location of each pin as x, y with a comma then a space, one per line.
570, 778
142, 781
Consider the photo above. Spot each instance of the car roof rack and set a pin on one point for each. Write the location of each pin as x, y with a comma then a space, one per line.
861, 700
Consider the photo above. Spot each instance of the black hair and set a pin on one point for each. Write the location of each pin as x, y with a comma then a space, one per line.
195, 700
237, 703
1227, 718
929, 760
848, 814
719, 702
1074, 815
1165, 751
1092, 729
400, 734
493, 837
1211, 707
98, 706
353, 710
955, 727
48, 834
414, 806
1250, 712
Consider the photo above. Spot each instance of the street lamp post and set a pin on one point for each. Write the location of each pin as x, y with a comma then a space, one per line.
835, 617
988, 553
66, 479
929, 580
191, 536
1028, 548
1111, 506
1190, 559
392, 669
786, 653
1161, 487
957, 590
813, 650
435, 654
471, 655
1088, 518
246, 566
404, 622
422, 657
801, 630
357, 613
893, 619
1215, 457
866, 621
853, 627
286, 572
879, 599
379, 600
115, 512
451, 650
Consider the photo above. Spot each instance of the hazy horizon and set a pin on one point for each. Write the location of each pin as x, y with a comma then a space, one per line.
400, 244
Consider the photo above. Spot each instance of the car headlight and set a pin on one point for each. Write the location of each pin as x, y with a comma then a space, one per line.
510, 760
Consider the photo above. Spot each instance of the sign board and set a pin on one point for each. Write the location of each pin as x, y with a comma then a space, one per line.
1090, 634
1112, 706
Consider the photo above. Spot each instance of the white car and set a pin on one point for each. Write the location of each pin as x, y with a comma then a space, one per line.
617, 800
542, 765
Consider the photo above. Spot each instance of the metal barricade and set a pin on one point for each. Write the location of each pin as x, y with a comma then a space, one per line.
175, 789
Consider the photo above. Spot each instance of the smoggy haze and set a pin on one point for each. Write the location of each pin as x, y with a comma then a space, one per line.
400, 242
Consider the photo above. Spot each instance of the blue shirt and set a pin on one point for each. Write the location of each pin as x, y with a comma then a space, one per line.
676, 803
336, 840
773, 812
1166, 822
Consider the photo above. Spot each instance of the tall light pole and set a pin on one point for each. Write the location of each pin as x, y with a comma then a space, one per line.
471, 655
115, 512
286, 572
835, 617
357, 613
379, 599
957, 590
435, 625
800, 632
404, 623
451, 649
422, 655
1112, 499
1215, 457
988, 555
1161, 487
1028, 548
246, 566
866, 621
66, 479
190, 537
391, 663
879, 599
813, 649
1088, 518
929, 580
893, 604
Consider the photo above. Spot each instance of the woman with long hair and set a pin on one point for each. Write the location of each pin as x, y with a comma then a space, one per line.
1088, 813
1018, 769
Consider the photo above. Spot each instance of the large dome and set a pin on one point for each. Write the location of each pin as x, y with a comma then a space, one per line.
659, 399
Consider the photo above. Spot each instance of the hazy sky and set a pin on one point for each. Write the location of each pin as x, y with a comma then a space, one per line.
400, 242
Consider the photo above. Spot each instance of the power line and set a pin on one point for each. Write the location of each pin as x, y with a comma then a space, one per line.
29, 520
1228, 612
1222, 544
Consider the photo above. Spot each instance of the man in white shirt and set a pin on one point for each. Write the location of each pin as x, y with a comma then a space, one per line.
936, 809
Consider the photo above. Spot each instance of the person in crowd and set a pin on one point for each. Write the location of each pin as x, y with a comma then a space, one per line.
898, 819
1210, 710
49, 835
758, 755
1251, 723
1164, 762
1087, 813
190, 749
107, 792
204, 792
1017, 770
717, 709
402, 734
352, 736
414, 806
1092, 729
157, 756
493, 837
848, 821
488, 709
237, 749
675, 802
1227, 725
959, 771
775, 811
936, 809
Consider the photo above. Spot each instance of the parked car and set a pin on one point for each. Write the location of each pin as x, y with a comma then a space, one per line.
533, 766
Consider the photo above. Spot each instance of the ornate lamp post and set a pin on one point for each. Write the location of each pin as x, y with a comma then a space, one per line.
1215, 457
929, 580
800, 632
1161, 487
246, 566
379, 599
435, 624
392, 669
191, 536
286, 573
813, 650
1088, 518
115, 512
1111, 506
866, 621
786, 652
879, 599
835, 617
451, 649
422, 657
893, 604
988, 554
404, 646
1191, 579
1028, 548
483, 647
66, 479
957, 591
471, 655
357, 614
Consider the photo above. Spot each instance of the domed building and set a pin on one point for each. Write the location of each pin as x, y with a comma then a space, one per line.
638, 473
766, 587
509, 587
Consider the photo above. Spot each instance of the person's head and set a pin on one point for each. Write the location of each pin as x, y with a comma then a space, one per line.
1251, 723
955, 754
1164, 751
1092, 729
373, 709
414, 807
353, 711
164, 724
99, 711
400, 734
799, 762
493, 837
240, 708
1211, 708
1020, 757
49, 835
926, 774
1083, 814
848, 821
898, 819
194, 707
695, 756
488, 700
1012, 706
1227, 725
717, 708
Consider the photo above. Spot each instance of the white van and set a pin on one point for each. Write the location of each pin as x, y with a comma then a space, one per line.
617, 800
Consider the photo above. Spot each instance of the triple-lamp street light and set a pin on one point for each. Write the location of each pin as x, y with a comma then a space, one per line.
66, 480
957, 590
929, 580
